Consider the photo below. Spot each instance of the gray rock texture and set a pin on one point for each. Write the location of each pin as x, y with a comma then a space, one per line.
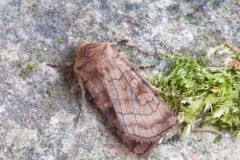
36, 115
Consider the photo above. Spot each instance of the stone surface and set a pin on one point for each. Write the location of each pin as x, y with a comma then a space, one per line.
36, 117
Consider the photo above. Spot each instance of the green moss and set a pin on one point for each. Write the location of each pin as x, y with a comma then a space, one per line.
61, 40
50, 91
217, 139
40, 58
19, 63
210, 96
28, 69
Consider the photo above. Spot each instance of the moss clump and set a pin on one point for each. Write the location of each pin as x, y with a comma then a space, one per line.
211, 96
61, 40
40, 58
50, 91
19, 63
28, 69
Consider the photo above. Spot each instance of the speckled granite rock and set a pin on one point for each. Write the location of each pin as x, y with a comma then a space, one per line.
36, 118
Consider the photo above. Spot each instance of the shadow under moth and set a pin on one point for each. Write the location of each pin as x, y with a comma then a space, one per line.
125, 99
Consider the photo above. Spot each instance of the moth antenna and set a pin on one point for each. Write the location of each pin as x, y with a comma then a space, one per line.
162, 92
128, 43
61, 65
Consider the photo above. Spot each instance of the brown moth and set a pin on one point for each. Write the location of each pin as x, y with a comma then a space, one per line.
125, 99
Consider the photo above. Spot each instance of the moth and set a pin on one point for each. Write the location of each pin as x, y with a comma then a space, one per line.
125, 99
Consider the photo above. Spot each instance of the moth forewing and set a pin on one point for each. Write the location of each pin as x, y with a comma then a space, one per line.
127, 102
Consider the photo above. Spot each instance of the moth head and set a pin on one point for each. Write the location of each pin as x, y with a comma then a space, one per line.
88, 52
80, 45
89, 49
